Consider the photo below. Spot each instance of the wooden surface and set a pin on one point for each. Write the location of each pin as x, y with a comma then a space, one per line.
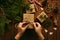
56, 34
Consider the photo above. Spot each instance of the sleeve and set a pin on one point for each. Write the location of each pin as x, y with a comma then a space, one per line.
13, 39
45, 39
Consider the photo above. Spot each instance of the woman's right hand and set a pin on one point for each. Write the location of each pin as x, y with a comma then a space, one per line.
38, 30
37, 27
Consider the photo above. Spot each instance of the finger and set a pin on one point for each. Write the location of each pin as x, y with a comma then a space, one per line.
38, 24
26, 26
22, 24
16, 26
19, 25
34, 25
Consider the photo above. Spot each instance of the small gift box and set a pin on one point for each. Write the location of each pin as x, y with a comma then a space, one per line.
31, 9
42, 17
28, 18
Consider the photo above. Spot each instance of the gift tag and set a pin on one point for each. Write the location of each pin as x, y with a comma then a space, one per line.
55, 28
55, 21
51, 33
46, 30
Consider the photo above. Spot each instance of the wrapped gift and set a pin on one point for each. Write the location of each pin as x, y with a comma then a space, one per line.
29, 18
31, 9
42, 17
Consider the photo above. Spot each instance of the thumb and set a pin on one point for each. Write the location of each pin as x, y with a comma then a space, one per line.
26, 26
34, 25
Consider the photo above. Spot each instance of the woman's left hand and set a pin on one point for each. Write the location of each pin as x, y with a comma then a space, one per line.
21, 30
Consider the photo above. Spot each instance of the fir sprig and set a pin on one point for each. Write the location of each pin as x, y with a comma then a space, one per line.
13, 10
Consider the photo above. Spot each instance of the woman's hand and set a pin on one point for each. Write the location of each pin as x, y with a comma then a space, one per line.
37, 27
21, 30
21, 27
38, 30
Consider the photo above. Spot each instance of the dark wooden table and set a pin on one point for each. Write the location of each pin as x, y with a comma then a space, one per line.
56, 34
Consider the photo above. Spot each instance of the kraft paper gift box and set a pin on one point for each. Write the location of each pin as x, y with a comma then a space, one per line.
28, 18
31, 9
42, 17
